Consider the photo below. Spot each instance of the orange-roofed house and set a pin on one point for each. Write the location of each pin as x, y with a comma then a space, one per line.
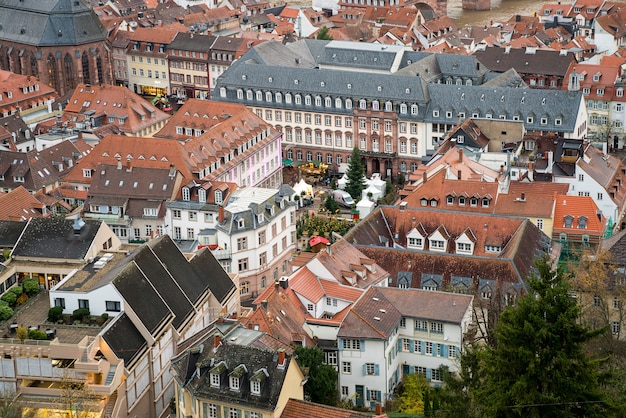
91, 107
26, 95
19, 205
227, 142
147, 59
577, 222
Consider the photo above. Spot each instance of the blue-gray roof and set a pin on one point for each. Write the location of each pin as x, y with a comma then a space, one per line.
49, 22
549, 106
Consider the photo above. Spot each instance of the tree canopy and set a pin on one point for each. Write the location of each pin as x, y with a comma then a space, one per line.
321, 385
356, 176
323, 34
538, 366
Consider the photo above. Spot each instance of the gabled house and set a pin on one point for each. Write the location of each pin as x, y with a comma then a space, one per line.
19, 205
539, 68
232, 371
227, 142
26, 95
598, 175
258, 228
92, 106
467, 135
50, 249
15, 135
392, 332
348, 266
577, 222
132, 200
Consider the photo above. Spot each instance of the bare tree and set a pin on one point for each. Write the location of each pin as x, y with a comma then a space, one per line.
76, 398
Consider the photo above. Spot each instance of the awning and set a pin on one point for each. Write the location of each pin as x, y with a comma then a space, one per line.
288, 163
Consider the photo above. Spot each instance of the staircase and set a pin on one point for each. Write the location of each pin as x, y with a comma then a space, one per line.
110, 406
110, 375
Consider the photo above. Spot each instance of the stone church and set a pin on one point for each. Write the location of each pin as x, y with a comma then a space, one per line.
61, 42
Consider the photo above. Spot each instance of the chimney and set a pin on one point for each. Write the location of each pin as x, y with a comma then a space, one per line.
424, 177
501, 170
284, 282
220, 214
128, 166
458, 174
217, 341
281, 358
119, 163
379, 409
460, 155
328, 250
172, 172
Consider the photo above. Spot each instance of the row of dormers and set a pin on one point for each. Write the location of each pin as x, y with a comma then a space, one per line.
327, 101
439, 239
462, 200
238, 378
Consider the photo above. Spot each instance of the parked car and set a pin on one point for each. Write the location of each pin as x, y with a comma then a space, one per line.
343, 198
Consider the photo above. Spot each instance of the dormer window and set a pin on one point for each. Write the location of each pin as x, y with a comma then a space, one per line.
235, 377
260, 218
582, 222
218, 197
186, 193
256, 381
463, 247
450, 200
241, 223
485, 202
437, 245
215, 380
568, 221
255, 387
201, 195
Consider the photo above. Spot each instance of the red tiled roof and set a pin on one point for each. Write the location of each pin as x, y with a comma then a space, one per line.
577, 206
18, 205
115, 102
538, 199
297, 409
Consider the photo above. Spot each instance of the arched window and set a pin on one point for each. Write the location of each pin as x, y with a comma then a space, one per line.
34, 66
53, 81
68, 71
99, 70
86, 72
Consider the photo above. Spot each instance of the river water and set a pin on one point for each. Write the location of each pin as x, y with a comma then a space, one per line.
501, 11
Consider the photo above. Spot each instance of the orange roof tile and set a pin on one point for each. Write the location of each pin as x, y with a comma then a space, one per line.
537, 202
129, 112
576, 207
19, 205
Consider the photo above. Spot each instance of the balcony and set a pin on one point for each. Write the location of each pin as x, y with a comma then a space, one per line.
222, 254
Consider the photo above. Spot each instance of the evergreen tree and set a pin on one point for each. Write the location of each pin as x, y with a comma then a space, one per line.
323, 34
321, 385
538, 366
356, 176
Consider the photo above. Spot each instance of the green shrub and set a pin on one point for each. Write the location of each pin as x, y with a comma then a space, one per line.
54, 314
21, 299
105, 316
35, 334
17, 290
80, 313
5, 311
31, 286
9, 298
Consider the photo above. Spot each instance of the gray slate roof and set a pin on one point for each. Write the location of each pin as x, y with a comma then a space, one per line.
55, 238
524, 103
160, 284
49, 22
192, 368
10, 232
